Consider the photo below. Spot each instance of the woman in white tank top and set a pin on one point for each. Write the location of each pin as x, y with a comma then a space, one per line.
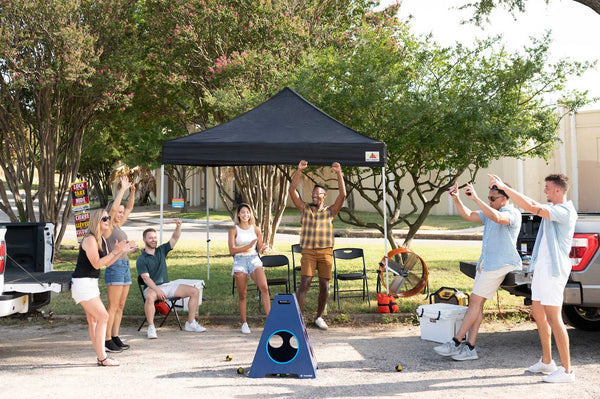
244, 239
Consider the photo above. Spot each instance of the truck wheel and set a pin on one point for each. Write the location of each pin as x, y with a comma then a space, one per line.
584, 318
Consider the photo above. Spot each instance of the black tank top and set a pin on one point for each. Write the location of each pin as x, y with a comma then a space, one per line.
84, 267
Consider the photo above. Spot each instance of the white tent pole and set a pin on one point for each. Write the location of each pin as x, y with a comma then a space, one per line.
207, 228
383, 183
162, 191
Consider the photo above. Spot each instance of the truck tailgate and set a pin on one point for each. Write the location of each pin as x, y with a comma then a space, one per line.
57, 281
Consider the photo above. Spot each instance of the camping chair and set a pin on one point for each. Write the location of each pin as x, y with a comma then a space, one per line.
349, 254
272, 262
296, 249
171, 304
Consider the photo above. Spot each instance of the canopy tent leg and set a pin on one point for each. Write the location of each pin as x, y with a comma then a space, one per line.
207, 227
383, 183
162, 191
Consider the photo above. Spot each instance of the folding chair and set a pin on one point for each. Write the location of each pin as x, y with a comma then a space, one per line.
170, 302
274, 261
349, 254
296, 249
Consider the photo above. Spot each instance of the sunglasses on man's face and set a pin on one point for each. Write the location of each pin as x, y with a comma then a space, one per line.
492, 199
105, 218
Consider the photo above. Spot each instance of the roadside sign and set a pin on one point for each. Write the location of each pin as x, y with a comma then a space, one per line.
81, 208
177, 202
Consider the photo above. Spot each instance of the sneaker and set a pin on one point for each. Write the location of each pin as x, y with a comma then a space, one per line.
447, 349
111, 346
540, 367
319, 322
152, 332
120, 343
245, 328
194, 326
466, 353
560, 376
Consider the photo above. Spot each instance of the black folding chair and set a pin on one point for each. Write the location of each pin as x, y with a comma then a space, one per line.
349, 254
170, 302
296, 249
275, 261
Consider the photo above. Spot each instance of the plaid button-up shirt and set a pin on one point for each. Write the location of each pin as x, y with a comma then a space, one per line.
317, 227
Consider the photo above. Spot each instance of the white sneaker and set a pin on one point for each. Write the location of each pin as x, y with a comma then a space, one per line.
540, 367
447, 349
245, 328
560, 376
152, 332
466, 353
319, 322
194, 326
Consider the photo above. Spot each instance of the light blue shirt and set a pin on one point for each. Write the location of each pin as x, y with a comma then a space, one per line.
559, 237
499, 248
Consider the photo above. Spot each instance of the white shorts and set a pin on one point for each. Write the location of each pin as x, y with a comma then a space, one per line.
487, 282
168, 288
549, 290
84, 289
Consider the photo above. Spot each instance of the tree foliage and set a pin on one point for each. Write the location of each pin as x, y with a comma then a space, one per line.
483, 8
441, 111
211, 60
62, 63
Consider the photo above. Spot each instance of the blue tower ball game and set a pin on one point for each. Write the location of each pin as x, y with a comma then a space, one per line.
284, 346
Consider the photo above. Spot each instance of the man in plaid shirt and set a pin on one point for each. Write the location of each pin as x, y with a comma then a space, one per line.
316, 237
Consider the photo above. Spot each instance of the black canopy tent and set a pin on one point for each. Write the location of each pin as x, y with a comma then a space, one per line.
281, 131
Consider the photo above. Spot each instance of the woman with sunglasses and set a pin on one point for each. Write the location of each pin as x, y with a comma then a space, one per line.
118, 275
94, 254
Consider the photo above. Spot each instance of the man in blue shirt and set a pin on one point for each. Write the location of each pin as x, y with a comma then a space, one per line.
551, 268
499, 256
152, 266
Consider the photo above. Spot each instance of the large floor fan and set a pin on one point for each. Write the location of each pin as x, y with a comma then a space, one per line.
409, 272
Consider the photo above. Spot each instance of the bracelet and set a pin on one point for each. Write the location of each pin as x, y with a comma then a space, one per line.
538, 211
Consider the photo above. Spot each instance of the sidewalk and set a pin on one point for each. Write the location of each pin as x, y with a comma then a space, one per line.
151, 215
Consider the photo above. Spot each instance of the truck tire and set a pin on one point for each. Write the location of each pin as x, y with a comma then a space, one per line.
584, 318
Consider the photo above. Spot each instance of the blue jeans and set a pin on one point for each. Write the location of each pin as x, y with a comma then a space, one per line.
118, 273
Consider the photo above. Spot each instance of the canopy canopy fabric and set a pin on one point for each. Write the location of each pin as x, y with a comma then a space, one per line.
281, 131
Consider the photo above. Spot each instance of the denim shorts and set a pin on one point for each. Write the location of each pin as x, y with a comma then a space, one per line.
118, 273
245, 264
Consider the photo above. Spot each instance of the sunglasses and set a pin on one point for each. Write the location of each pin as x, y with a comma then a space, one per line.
492, 199
105, 218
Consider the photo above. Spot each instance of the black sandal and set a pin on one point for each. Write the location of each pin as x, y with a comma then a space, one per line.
106, 362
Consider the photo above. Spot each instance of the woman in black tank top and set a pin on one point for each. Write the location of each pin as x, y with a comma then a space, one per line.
92, 256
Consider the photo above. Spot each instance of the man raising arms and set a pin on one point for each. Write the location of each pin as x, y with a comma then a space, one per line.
551, 268
316, 237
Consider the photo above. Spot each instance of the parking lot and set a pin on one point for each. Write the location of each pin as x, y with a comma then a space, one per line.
42, 360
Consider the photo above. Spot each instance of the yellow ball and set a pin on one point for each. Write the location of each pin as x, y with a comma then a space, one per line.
240, 370
398, 368
228, 358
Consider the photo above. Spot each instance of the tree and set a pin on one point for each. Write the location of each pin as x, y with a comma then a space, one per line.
441, 111
483, 8
62, 63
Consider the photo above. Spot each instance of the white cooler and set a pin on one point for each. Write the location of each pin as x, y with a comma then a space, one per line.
195, 283
440, 321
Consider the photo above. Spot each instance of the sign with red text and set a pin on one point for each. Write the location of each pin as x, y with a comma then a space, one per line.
81, 208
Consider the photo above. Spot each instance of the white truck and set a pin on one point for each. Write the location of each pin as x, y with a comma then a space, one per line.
27, 279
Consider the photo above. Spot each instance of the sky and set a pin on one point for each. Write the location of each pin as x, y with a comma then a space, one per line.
575, 30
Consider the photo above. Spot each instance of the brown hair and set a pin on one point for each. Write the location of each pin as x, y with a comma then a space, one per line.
237, 213
148, 230
559, 180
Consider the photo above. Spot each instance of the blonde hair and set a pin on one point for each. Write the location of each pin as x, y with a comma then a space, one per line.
237, 213
94, 226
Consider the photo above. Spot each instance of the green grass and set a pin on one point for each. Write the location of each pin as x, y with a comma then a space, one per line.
188, 260
291, 217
